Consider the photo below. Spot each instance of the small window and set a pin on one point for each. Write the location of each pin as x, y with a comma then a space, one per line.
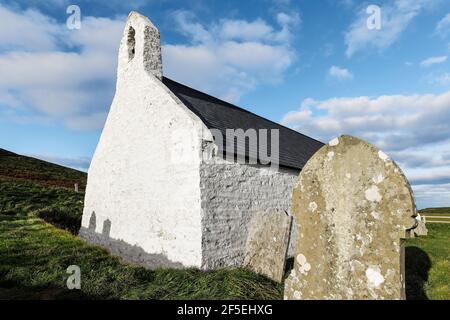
131, 43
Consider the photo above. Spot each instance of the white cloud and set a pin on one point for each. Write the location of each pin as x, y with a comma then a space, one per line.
443, 26
395, 18
46, 80
28, 30
433, 60
413, 129
433, 195
244, 30
340, 73
230, 57
116, 5
80, 65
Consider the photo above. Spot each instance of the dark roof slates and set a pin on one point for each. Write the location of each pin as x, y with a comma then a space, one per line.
295, 148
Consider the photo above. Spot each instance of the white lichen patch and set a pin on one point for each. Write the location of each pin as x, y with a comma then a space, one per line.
349, 292
373, 194
367, 240
383, 156
378, 178
334, 142
374, 276
330, 156
375, 215
304, 266
312, 206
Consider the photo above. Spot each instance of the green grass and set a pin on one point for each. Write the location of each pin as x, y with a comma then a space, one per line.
34, 255
428, 264
60, 206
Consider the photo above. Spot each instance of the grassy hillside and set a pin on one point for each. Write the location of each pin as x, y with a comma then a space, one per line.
22, 168
34, 254
30, 186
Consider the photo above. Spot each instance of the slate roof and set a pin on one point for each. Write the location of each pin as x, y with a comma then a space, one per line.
295, 148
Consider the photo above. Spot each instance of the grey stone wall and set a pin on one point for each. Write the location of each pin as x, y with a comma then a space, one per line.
231, 194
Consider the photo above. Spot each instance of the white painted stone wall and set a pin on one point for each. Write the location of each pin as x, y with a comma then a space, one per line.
231, 194
144, 177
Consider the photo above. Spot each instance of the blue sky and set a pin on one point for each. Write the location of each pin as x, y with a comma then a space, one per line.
311, 65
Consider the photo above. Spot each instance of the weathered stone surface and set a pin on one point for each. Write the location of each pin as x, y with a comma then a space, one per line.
231, 195
267, 244
353, 206
421, 229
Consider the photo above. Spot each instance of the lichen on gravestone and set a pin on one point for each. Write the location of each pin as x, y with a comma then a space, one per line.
353, 208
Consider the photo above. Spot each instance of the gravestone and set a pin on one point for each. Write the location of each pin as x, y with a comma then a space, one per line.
421, 229
267, 244
353, 207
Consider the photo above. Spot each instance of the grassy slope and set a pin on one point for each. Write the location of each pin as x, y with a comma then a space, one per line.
22, 168
34, 255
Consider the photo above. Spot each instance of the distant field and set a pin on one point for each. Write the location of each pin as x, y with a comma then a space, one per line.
445, 210
436, 215
35, 254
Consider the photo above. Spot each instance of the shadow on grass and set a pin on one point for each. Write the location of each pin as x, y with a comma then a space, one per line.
417, 266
